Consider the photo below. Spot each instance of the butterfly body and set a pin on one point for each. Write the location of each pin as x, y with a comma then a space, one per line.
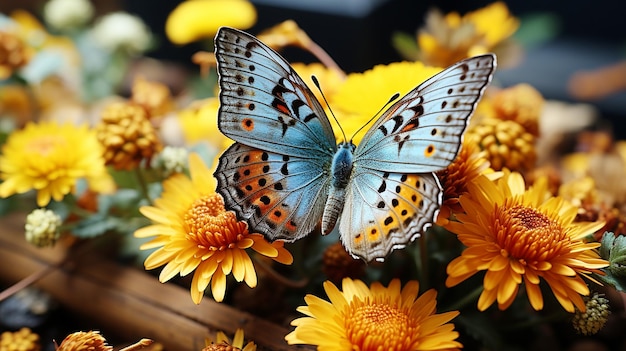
285, 174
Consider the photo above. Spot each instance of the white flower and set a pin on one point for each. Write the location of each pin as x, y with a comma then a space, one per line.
173, 159
42, 227
122, 31
67, 14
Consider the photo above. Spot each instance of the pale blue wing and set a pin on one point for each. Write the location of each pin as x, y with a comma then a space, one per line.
386, 211
422, 132
263, 101
280, 196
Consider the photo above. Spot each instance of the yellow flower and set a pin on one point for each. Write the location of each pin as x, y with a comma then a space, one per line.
363, 94
520, 103
155, 97
284, 34
450, 38
199, 123
193, 231
519, 235
330, 79
50, 158
222, 342
376, 318
14, 54
194, 20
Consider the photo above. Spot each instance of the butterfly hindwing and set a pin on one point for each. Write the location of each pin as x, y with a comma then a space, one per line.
263, 101
422, 132
386, 211
278, 195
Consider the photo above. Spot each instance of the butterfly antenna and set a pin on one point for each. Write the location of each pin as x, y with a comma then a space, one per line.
317, 84
394, 97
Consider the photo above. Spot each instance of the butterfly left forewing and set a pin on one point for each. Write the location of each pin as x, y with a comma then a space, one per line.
264, 103
386, 211
422, 132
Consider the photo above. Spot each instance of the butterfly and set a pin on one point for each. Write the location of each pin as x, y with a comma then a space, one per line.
285, 174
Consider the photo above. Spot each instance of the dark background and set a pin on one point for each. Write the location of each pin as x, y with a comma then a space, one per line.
588, 35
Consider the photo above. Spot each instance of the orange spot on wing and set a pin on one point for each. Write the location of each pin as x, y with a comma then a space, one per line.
247, 124
430, 150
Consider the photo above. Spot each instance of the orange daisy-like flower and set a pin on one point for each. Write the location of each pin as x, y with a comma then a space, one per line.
376, 318
193, 231
520, 235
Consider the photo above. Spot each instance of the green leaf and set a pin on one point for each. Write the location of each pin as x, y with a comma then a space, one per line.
613, 249
95, 225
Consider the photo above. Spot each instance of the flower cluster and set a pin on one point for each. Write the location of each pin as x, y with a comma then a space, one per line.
521, 227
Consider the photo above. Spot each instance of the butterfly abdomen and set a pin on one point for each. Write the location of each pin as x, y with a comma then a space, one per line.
341, 170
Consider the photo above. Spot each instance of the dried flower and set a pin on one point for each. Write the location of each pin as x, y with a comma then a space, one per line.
337, 264
14, 54
507, 144
520, 103
450, 38
193, 231
153, 96
127, 135
84, 341
42, 227
594, 317
21, 340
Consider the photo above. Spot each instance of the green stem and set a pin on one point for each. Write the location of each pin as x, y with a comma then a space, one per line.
466, 300
142, 184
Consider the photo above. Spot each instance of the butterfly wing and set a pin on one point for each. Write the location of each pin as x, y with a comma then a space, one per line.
385, 211
422, 132
393, 195
278, 195
276, 177
263, 101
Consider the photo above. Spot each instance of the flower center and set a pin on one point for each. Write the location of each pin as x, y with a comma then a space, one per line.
45, 144
211, 227
372, 325
529, 235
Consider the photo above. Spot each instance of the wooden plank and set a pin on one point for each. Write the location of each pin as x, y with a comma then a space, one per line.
127, 300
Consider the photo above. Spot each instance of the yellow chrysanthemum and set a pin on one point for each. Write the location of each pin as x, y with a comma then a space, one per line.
50, 158
376, 318
198, 19
223, 343
91, 340
193, 231
450, 38
330, 79
363, 94
520, 235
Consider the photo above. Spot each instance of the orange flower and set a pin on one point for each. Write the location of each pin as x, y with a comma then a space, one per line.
520, 235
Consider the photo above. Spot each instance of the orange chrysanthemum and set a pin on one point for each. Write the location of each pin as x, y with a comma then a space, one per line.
520, 235
193, 231
376, 318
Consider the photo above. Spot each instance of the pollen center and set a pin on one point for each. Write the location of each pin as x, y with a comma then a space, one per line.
527, 234
368, 326
210, 226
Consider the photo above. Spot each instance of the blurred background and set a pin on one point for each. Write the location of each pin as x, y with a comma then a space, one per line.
559, 38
